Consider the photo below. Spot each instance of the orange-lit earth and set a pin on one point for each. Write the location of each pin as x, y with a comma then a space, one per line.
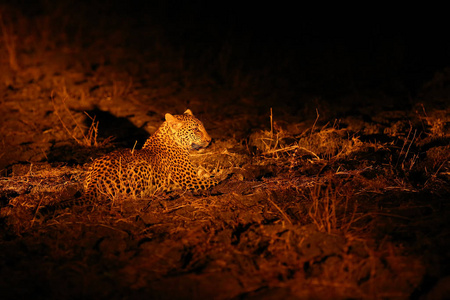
330, 139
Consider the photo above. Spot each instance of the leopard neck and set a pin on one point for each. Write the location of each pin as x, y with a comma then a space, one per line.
163, 131
161, 136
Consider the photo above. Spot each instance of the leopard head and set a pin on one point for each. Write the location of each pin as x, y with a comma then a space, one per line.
188, 131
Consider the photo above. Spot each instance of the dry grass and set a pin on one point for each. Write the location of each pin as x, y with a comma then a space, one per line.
325, 143
74, 128
121, 89
306, 228
323, 210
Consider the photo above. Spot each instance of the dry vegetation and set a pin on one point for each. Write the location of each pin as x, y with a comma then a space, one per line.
311, 205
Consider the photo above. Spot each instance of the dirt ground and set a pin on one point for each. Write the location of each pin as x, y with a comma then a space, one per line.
333, 186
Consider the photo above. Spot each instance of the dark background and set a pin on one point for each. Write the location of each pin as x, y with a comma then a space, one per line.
327, 49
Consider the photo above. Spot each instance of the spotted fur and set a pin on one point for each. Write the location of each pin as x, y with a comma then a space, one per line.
163, 163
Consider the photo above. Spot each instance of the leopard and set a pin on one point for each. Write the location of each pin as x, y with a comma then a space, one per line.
161, 165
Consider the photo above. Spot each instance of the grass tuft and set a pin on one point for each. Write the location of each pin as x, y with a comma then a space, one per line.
88, 139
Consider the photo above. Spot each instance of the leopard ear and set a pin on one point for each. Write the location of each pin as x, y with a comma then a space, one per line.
188, 112
173, 122
169, 118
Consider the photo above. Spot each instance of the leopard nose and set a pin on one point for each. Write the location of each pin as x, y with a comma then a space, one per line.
206, 137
